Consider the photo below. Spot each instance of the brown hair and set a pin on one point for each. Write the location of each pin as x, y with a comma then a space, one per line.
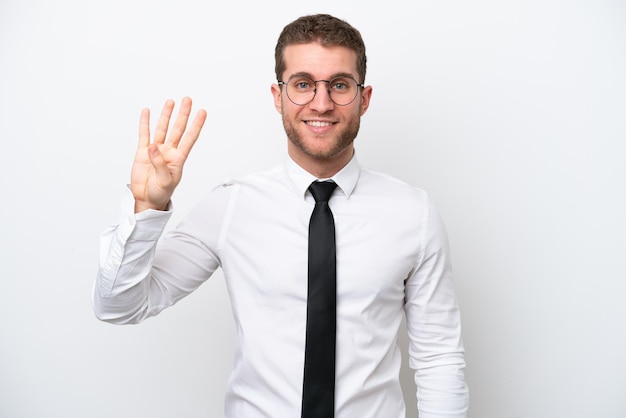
325, 29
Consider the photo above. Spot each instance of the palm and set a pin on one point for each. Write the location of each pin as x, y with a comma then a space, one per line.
158, 165
145, 183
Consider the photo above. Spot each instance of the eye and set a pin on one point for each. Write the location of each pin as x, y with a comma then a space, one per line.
341, 85
302, 84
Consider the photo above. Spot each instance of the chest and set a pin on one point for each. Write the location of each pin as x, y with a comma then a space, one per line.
266, 249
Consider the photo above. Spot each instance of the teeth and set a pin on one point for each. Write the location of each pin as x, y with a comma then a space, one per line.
318, 124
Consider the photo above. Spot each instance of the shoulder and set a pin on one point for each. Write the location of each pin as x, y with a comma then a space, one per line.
390, 187
253, 188
249, 180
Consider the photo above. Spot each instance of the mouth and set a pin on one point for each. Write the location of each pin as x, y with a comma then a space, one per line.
318, 123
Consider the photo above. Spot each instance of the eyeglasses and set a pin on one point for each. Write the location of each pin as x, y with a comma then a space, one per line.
301, 89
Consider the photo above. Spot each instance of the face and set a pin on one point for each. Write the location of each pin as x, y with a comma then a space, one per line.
320, 133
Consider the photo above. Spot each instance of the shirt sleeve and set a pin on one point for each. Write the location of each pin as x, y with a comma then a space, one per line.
436, 350
143, 271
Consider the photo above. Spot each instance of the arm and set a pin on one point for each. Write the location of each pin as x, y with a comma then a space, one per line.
125, 290
434, 326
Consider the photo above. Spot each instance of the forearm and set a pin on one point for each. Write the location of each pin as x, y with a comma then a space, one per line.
439, 363
436, 354
121, 292
436, 351
442, 395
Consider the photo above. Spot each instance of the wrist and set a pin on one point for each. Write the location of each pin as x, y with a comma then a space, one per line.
144, 206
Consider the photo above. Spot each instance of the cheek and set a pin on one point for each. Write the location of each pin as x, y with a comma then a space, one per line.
289, 110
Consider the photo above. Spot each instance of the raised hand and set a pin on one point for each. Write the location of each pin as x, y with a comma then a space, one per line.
158, 165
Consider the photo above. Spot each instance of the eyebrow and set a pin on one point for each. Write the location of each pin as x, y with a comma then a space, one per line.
305, 74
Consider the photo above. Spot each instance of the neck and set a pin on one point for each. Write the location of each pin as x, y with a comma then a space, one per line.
320, 167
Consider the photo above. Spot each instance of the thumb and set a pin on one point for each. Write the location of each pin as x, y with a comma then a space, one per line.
162, 171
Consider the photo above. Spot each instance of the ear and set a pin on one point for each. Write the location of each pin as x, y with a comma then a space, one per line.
366, 95
278, 98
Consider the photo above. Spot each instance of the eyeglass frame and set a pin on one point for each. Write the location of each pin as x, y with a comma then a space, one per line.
285, 83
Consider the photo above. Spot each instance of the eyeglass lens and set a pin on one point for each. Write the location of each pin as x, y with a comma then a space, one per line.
301, 90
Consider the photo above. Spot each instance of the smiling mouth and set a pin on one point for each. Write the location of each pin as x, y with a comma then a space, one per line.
318, 124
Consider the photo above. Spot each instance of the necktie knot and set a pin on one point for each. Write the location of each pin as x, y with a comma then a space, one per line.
322, 190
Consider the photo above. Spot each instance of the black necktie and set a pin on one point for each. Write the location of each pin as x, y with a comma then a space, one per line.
318, 399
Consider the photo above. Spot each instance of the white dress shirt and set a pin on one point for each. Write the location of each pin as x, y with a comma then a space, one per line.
392, 259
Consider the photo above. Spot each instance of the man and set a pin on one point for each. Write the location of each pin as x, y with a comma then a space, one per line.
391, 251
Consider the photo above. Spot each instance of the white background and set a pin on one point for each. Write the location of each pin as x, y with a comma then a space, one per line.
512, 114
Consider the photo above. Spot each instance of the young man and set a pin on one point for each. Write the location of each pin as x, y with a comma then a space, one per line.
391, 255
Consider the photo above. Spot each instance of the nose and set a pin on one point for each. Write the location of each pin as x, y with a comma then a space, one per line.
321, 101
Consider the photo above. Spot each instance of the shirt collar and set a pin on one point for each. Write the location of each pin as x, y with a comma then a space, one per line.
301, 179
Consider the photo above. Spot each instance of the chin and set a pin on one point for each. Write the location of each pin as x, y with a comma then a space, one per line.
321, 147
327, 153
